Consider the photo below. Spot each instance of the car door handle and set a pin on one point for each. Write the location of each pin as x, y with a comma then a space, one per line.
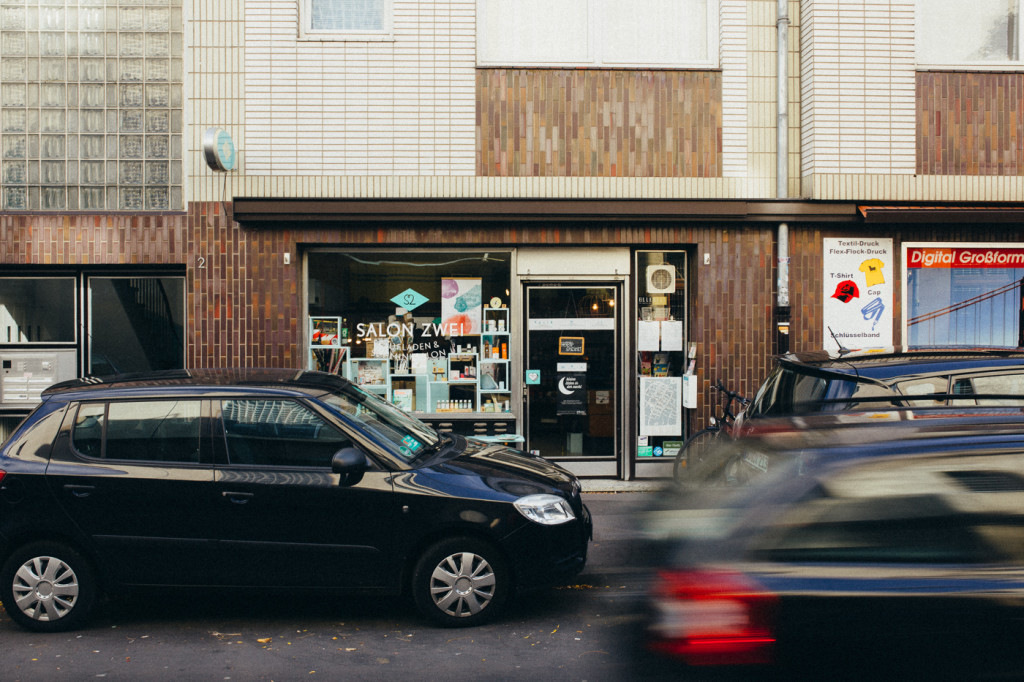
80, 490
237, 498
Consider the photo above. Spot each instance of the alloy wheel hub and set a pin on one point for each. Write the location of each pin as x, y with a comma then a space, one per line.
462, 585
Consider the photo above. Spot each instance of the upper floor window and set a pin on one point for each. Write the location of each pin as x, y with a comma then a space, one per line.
599, 33
346, 19
982, 32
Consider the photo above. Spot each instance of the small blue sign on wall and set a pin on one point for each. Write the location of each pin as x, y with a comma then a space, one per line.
532, 377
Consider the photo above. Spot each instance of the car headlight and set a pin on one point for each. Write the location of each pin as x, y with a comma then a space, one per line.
547, 510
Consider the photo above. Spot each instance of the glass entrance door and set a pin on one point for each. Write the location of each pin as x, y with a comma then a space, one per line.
572, 368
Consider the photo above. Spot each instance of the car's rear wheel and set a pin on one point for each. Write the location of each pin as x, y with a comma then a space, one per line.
48, 587
460, 582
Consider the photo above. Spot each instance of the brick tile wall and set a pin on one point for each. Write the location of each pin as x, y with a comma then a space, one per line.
599, 123
244, 303
970, 123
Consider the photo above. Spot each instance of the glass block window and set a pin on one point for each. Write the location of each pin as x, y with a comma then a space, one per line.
91, 105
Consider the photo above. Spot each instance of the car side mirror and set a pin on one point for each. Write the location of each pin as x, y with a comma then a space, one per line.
349, 464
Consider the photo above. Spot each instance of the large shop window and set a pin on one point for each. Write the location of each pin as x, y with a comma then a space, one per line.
136, 324
37, 310
601, 33
428, 331
661, 352
983, 32
58, 326
964, 295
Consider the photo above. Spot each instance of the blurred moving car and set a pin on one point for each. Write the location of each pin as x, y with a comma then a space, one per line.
270, 479
802, 383
887, 544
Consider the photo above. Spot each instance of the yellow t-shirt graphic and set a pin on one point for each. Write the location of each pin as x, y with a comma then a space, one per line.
872, 270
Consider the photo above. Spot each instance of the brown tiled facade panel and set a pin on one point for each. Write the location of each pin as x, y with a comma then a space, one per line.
244, 303
598, 123
970, 123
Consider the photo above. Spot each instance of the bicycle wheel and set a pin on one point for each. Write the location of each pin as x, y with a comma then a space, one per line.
693, 452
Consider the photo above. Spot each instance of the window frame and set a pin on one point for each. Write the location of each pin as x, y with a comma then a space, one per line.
65, 343
90, 314
595, 19
308, 33
958, 65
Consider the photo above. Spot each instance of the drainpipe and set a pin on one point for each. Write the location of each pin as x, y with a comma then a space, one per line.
782, 102
782, 308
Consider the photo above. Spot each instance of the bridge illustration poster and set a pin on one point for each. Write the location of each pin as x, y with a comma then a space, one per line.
960, 294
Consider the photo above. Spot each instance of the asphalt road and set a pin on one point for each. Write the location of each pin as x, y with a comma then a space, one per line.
584, 631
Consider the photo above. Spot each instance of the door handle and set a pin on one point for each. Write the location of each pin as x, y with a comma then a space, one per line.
236, 497
80, 490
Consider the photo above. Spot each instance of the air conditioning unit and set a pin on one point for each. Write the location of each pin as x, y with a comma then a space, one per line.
661, 279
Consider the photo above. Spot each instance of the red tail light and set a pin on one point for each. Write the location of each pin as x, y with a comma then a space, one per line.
713, 618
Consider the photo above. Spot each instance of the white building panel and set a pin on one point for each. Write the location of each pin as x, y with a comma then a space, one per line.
361, 107
858, 75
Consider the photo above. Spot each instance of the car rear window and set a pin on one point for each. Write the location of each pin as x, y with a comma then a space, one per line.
787, 392
144, 430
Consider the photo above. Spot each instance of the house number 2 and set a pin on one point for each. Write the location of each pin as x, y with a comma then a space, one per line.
201, 263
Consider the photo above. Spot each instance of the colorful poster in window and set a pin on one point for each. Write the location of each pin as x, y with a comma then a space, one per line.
964, 294
461, 307
858, 300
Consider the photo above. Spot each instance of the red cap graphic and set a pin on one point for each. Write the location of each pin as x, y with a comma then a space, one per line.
846, 290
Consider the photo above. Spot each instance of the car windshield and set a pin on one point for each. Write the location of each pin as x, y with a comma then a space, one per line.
401, 434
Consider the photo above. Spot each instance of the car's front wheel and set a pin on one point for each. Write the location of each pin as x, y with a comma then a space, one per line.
48, 587
460, 582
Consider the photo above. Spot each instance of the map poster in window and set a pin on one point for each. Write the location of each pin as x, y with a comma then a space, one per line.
661, 406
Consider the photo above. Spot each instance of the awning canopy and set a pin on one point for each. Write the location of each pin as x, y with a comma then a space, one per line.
943, 213
270, 212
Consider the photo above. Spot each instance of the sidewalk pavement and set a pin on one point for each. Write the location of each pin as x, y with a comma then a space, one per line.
602, 485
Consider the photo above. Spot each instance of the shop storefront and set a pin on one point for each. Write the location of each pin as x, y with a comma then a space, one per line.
545, 348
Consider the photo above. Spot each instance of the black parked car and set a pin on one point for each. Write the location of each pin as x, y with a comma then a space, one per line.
269, 479
830, 381
858, 546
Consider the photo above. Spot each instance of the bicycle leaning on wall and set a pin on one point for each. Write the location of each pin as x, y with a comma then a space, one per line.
697, 445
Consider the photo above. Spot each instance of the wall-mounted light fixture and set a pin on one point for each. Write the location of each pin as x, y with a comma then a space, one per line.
219, 149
